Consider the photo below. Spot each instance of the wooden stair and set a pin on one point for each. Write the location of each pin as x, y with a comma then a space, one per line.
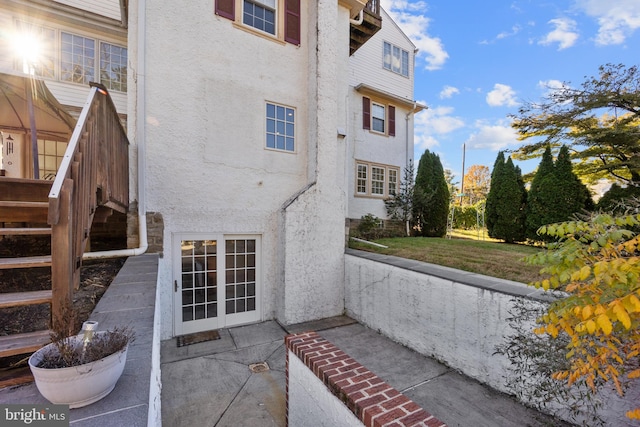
23, 215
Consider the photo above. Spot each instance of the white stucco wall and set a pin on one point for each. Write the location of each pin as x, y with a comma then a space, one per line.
311, 403
456, 323
452, 322
207, 170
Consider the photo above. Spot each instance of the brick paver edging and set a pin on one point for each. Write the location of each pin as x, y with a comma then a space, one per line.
372, 401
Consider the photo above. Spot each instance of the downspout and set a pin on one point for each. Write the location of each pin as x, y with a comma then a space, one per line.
140, 137
359, 20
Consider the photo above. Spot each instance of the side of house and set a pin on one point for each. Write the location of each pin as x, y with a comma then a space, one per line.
380, 136
237, 111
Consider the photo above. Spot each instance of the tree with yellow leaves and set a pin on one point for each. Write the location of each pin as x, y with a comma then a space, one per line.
596, 265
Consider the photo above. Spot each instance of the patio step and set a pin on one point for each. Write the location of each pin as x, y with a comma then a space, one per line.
10, 345
18, 299
25, 262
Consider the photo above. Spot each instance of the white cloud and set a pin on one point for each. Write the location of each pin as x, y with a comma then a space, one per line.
514, 30
495, 137
448, 92
502, 95
617, 19
410, 16
564, 34
433, 122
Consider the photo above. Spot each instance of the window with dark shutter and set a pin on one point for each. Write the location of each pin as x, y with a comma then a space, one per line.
392, 120
366, 113
292, 21
226, 9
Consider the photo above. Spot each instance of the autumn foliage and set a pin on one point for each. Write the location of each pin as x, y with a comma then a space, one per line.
596, 265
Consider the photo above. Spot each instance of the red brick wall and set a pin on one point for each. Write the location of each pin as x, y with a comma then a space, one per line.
371, 400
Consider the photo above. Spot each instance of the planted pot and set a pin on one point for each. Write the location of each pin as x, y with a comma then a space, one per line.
78, 385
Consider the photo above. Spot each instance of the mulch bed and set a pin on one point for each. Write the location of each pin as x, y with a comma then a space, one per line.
95, 278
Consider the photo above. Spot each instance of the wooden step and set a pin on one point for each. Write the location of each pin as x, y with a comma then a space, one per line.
15, 376
25, 262
33, 190
17, 299
25, 231
10, 345
18, 211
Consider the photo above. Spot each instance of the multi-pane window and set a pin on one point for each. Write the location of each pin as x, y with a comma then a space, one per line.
50, 155
280, 127
362, 179
376, 180
377, 117
260, 14
71, 57
199, 280
38, 44
393, 182
113, 66
240, 275
78, 59
396, 59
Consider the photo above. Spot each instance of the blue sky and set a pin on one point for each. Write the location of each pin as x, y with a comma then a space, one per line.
478, 61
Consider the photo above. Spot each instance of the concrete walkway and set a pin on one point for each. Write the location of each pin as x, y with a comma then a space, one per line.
211, 384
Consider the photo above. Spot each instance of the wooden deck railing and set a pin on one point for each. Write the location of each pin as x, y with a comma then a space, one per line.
373, 6
94, 172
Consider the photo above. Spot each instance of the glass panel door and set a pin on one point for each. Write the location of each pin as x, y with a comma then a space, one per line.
216, 285
240, 280
198, 287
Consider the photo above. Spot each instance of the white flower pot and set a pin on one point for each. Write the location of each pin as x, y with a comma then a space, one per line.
81, 385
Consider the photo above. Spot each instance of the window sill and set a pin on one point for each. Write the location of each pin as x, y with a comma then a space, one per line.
259, 33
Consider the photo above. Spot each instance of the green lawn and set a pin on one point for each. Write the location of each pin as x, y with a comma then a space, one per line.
491, 258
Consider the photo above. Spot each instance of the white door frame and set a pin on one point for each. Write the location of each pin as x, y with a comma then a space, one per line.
237, 287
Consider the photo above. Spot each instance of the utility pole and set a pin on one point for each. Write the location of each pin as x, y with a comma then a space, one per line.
464, 149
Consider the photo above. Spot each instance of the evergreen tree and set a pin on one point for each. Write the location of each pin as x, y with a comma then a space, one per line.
574, 196
505, 211
431, 197
556, 195
491, 208
538, 207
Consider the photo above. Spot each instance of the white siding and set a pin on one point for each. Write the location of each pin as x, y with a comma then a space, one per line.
367, 65
108, 8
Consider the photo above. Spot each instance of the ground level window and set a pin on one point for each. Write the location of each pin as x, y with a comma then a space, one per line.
376, 180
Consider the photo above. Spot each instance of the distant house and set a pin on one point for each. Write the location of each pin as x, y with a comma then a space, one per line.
256, 128
382, 109
66, 44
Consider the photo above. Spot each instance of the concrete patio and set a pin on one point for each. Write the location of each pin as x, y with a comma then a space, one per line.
211, 383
